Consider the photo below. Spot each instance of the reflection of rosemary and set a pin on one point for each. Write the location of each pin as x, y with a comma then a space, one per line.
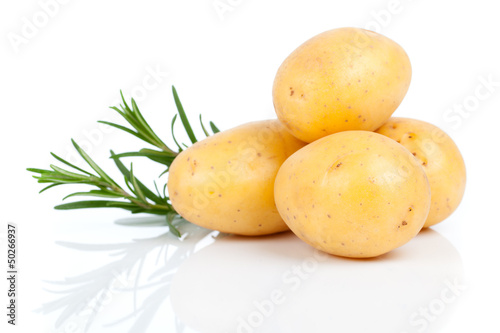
138, 198
144, 267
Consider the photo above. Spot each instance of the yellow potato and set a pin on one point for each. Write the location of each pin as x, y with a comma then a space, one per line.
354, 194
441, 160
342, 79
226, 181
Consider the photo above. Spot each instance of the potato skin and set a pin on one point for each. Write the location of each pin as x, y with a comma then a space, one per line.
342, 79
226, 181
441, 159
354, 194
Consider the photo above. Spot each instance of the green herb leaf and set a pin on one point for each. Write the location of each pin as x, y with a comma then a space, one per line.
170, 218
173, 134
214, 128
148, 193
203, 127
92, 164
69, 164
92, 204
183, 117
95, 193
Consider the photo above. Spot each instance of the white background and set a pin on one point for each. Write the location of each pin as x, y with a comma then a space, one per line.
59, 78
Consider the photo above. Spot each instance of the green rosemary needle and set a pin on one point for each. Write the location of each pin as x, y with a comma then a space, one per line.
136, 198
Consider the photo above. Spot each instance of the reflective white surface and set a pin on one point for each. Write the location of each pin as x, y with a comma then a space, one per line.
208, 282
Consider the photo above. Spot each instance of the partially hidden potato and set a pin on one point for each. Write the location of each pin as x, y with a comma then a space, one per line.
226, 181
353, 194
342, 79
441, 159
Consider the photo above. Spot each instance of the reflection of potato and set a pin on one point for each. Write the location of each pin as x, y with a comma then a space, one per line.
354, 194
240, 274
342, 79
226, 181
441, 159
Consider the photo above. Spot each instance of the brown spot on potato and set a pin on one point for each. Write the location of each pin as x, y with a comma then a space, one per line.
404, 223
292, 92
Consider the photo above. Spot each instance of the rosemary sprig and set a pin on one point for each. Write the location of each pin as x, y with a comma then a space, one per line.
143, 131
137, 198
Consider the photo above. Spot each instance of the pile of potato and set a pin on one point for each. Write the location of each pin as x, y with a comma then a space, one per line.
335, 168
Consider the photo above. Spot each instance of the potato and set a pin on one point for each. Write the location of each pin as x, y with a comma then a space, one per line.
342, 79
226, 181
441, 159
353, 194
